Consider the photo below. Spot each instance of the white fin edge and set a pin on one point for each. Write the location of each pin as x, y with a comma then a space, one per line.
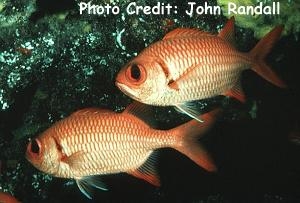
189, 110
86, 185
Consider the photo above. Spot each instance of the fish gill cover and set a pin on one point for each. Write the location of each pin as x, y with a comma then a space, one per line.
54, 60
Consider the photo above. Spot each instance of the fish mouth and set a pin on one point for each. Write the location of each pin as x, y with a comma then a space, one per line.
126, 90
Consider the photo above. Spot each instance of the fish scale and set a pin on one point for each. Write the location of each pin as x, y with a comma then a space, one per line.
108, 142
95, 141
210, 52
189, 64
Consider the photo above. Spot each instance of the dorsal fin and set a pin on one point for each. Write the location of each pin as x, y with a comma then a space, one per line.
227, 32
89, 111
141, 111
185, 32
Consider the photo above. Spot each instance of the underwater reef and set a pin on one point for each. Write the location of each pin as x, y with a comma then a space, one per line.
54, 61
261, 24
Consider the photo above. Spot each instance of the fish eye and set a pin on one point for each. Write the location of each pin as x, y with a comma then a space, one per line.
135, 72
35, 147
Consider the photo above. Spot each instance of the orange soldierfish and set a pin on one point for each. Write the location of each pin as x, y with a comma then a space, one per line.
189, 64
97, 141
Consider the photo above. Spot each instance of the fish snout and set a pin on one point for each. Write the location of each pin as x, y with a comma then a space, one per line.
131, 92
120, 85
120, 77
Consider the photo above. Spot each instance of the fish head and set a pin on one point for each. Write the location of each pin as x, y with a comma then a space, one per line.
43, 153
143, 79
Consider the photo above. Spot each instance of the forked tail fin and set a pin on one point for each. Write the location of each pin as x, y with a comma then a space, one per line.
188, 135
259, 53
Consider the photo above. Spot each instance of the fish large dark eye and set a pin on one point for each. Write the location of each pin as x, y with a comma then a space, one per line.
35, 147
135, 72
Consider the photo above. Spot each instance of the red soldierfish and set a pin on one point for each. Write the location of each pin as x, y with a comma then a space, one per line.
97, 141
7, 198
189, 64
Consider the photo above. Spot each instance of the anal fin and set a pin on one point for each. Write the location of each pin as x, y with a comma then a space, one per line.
237, 93
87, 184
147, 171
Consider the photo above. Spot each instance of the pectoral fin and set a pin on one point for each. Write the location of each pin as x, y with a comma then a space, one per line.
75, 160
87, 185
174, 83
189, 109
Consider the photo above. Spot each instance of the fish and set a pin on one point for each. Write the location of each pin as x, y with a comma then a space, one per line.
97, 141
7, 198
189, 64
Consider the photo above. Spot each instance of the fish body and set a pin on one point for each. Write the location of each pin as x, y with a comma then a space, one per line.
189, 64
7, 198
96, 141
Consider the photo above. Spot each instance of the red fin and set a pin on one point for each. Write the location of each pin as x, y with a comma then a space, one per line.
260, 51
237, 93
188, 134
184, 32
89, 111
148, 171
227, 32
150, 178
142, 111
